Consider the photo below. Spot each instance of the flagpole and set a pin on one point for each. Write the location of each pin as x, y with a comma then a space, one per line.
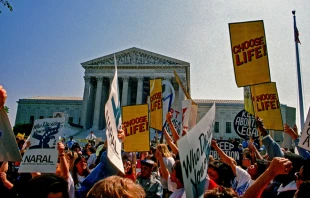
300, 96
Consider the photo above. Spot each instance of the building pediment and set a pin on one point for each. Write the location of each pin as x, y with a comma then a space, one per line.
135, 56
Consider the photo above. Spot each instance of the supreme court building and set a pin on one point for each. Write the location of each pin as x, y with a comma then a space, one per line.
135, 68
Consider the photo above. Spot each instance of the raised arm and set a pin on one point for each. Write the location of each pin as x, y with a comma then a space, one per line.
64, 166
163, 169
174, 132
294, 134
169, 141
278, 166
273, 148
226, 159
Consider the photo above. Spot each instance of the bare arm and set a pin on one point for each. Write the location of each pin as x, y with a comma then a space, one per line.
163, 169
174, 132
226, 159
278, 166
254, 152
5, 182
173, 147
3, 97
65, 173
4, 167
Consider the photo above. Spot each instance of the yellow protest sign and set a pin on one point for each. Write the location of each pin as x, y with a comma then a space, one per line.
136, 128
156, 105
267, 106
248, 104
249, 53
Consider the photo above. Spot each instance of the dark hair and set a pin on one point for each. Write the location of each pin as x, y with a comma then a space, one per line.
306, 170
40, 186
304, 189
224, 172
74, 171
178, 170
261, 166
221, 192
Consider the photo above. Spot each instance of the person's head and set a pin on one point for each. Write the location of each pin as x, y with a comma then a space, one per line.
116, 187
76, 147
127, 165
71, 156
303, 174
221, 192
220, 173
45, 186
146, 168
164, 150
71, 137
80, 163
91, 132
176, 174
303, 190
90, 150
258, 168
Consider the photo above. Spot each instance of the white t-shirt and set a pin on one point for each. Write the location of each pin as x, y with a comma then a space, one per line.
177, 193
169, 161
92, 159
71, 189
242, 181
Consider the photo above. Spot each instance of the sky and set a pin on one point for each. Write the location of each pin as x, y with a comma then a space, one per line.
42, 43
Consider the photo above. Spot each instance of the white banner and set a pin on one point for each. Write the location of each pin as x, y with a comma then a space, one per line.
189, 111
113, 120
42, 155
194, 150
8, 146
304, 141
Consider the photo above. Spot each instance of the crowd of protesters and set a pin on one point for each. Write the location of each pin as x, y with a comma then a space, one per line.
87, 172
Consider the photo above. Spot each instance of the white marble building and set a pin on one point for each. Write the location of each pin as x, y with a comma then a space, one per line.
135, 68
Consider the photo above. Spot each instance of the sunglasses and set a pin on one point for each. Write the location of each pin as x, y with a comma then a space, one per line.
298, 176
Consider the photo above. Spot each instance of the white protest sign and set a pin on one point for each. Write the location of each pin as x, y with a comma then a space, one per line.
42, 154
113, 120
189, 111
176, 121
8, 145
304, 141
194, 150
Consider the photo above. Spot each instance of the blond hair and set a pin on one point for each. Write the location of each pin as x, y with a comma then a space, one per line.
116, 187
164, 150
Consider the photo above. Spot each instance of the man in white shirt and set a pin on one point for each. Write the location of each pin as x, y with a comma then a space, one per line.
91, 138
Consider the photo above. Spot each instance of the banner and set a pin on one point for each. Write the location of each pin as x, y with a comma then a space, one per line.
113, 123
194, 150
189, 115
267, 106
304, 141
245, 125
156, 105
136, 128
229, 149
42, 154
248, 103
177, 78
8, 146
249, 53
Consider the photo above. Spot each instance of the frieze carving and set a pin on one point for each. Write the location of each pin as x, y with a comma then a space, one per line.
135, 58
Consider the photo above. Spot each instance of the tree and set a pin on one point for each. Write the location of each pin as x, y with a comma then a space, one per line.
6, 4
6, 109
23, 128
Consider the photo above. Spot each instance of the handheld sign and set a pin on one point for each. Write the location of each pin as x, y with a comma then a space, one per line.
249, 53
176, 121
156, 104
113, 122
245, 125
42, 154
304, 141
189, 111
229, 149
136, 128
267, 105
194, 150
8, 146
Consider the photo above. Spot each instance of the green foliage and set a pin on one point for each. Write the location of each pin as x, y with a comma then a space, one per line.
6, 4
6, 109
23, 128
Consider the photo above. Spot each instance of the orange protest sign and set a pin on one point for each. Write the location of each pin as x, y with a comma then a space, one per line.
136, 128
249, 53
267, 106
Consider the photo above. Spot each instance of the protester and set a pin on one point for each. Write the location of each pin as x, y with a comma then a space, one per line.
91, 153
70, 142
129, 169
80, 171
91, 138
151, 185
116, 187
221, 192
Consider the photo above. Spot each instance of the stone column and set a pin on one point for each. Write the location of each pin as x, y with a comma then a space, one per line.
104, 97
90, 106
85, 101
97, 103
125, 91
139, 90
181, 93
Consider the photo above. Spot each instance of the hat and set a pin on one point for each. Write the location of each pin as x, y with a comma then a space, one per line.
148, 162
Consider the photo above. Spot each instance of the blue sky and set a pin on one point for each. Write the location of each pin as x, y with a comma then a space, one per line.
42, 43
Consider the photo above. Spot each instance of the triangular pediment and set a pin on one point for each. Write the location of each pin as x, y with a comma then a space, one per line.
135, 56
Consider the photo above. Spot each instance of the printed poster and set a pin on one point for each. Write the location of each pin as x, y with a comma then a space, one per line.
249, 53
194, 154
8, 146
304, 141
136, 128
156, 104
267, 105
42, 155
113, 123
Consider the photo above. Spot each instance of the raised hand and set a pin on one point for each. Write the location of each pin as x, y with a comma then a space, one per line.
292, 132
280, 166
3, 96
